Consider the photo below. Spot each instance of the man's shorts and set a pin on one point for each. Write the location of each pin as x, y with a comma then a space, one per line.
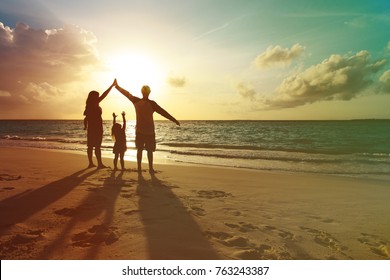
145, 142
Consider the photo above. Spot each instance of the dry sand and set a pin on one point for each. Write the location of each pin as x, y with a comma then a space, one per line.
51, 207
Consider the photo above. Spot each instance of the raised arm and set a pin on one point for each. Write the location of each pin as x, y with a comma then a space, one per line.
131, 97
114, 118
107, 91
164, 113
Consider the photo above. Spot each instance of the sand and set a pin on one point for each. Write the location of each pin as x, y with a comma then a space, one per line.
52, 207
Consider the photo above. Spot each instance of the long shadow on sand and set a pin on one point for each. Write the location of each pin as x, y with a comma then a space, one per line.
171, 232
20, 207
96, 211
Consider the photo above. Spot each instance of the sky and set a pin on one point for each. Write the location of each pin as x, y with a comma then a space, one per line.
204, 59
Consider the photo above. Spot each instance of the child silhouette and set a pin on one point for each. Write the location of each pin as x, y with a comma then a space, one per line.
118, 133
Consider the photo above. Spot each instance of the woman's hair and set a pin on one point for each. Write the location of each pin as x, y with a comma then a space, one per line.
93, 98
115, 130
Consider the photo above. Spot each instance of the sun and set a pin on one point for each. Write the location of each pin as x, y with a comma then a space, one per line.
133, 70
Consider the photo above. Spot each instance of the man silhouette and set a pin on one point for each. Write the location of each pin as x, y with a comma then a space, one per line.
145, 137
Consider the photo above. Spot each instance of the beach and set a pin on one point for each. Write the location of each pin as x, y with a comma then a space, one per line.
52, 207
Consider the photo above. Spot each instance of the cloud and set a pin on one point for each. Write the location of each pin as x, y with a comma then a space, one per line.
336, 78
278, 56
177, 82
246, 91
35, 62
385, 81
42, 93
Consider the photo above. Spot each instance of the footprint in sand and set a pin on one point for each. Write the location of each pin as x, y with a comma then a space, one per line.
232, 211
96, 235
247, 250
284, 234
325, 239
213, 194
263, 252
27, 237
243, 227
321, 219
67, 212
269, 227
3, 189
20, 243
8, 177
194, 206
229, 240
322, 238
127, 193
377, 245
197, 211
129, 212
70, 212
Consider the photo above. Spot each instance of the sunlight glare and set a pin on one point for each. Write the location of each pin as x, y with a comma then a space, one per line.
133, 70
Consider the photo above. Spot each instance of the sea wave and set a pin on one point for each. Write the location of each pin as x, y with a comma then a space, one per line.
281, 156
210, 146
42, 139
339, 147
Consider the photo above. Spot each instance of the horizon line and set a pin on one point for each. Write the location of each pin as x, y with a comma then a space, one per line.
353, 119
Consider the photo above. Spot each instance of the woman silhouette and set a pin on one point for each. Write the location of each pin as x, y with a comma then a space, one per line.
93, 123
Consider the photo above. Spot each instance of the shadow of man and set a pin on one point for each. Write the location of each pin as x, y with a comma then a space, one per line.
171, 232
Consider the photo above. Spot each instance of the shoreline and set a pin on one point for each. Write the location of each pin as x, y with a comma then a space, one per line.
54, 208
328, 148
161, 159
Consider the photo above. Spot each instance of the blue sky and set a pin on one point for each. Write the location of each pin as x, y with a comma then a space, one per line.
203, 59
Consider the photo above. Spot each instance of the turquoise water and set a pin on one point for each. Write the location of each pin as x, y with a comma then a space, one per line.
358, 147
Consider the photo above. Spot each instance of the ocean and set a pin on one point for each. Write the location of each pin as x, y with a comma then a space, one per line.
351, 148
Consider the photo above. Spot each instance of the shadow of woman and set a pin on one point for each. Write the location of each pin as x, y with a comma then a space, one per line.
98, 206
24, 205
171, 232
